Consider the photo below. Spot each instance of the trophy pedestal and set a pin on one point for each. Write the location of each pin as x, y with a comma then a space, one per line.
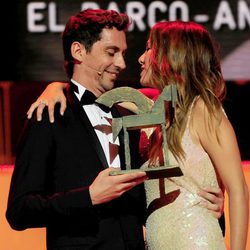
153, 172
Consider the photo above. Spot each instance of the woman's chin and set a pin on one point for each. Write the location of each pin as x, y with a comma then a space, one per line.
144, 83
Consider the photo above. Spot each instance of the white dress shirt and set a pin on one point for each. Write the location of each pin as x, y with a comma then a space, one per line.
97, 117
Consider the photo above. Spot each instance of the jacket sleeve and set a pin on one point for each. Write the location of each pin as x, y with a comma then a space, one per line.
31, 202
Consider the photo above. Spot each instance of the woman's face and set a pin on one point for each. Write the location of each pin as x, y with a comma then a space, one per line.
144, 61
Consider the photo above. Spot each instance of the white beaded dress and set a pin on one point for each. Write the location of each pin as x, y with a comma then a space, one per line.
175, 219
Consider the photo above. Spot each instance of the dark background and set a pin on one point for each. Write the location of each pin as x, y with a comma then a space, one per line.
30, 60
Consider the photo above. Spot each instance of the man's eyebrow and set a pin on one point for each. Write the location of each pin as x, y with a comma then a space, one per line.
115, 48
112, 47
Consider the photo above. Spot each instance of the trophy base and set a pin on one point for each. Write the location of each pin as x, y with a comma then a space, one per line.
153, 172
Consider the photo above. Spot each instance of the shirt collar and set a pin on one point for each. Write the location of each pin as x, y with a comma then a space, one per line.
81, 89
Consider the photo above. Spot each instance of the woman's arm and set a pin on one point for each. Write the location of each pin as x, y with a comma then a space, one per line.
54, 93
49, 97
219, 141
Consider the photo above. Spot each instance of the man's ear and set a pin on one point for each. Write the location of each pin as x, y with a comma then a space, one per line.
78, 51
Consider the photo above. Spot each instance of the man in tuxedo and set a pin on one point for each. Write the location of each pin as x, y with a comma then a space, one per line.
61, 177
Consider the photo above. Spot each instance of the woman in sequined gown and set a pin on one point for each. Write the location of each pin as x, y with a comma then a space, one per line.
175, 218
201, 141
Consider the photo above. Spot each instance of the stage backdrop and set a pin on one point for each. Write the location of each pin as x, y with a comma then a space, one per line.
33, 51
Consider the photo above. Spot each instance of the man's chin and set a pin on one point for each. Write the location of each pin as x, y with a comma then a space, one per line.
109, 86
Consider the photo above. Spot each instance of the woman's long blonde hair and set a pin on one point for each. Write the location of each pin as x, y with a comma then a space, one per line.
184, 54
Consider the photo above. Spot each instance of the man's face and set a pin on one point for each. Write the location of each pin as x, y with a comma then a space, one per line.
105, 61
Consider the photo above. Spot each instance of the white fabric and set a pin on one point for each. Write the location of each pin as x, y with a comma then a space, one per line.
97, 117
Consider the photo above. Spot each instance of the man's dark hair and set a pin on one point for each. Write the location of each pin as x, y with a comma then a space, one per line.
86, 27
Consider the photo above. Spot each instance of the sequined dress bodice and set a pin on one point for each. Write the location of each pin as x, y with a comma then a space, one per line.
175, 220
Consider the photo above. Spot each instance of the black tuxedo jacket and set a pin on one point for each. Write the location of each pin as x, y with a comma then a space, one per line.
55, 164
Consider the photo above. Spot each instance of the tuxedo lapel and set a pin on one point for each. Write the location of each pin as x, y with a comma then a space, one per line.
81, 114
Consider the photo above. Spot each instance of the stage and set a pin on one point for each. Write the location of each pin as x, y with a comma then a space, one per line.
31, 239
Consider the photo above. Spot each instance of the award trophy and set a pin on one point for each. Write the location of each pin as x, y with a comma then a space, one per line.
146, 115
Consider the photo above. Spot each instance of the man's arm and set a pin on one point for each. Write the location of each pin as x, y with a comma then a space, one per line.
34, 203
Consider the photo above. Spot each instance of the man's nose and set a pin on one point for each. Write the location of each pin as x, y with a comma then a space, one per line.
120, 62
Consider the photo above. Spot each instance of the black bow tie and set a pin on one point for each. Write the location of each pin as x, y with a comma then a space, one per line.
89, 98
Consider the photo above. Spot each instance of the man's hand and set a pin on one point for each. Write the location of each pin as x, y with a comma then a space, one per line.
214, 200
106, 188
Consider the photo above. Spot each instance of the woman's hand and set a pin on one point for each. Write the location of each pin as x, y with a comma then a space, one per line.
50, 96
